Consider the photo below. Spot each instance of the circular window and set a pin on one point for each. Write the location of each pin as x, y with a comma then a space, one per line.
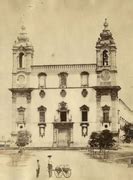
106, 126
42, 93
84, 92
21, 127
63, 93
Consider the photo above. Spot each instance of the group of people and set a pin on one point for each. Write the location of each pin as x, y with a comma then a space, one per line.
50, 167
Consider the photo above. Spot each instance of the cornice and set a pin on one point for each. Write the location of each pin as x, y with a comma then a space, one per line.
20, 89
117, 88
64, 68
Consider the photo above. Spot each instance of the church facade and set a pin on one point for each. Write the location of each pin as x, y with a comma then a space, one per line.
61, 105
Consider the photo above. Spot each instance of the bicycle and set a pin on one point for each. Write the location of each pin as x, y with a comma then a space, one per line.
62, 170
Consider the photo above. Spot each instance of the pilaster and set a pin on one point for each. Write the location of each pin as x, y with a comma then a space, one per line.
98, 106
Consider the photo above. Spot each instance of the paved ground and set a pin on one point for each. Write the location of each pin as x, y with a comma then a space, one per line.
83, 167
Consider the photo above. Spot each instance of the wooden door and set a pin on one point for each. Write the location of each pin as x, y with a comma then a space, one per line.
63, 137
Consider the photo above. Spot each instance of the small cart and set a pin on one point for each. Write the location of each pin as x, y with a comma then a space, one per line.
62, 170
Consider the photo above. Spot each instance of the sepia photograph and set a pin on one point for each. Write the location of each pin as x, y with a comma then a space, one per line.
66, 98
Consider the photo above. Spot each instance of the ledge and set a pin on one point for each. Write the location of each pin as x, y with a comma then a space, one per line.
42, 124
21, 89
107, 87
63, 124
84, 123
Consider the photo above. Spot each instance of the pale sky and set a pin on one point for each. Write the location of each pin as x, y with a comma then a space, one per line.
68, 29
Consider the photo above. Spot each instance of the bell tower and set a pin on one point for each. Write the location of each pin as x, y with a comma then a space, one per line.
106, 50
106, 88
21, 90
22, 59
22, 52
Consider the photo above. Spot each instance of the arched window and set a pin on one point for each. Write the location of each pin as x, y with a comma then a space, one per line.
84, 79
42, 80
106, 110
84, 120
42, 111
63, 79
21, 60
42, 123
105, 58
21, 111
84, 113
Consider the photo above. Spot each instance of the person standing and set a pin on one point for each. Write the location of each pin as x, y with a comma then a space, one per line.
38, 169
50, 166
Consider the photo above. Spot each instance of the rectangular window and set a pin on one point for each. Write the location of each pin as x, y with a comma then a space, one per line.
42, 80
106, 116
21, 116
84, 116
63, 116
84, 80
63, 79
42, 116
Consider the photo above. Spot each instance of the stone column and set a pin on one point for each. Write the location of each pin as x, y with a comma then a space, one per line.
71, 134
28, 117
14, 118
114, 110
98, 106
55, 131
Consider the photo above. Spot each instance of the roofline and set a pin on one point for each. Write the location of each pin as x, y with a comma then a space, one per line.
63, 65
125, 105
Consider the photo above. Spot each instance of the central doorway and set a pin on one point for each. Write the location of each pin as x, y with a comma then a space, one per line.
63, 137
62, 134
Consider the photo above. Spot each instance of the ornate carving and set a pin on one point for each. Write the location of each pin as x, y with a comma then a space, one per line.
106, 38
23, 92
84, 108
105, 108
42, 93
63, 93
21, 48
63, 106
59, 125
84, 92
21, 109
42, 108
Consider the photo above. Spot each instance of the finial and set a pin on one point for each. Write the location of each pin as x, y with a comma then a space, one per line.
105, 24
23, 28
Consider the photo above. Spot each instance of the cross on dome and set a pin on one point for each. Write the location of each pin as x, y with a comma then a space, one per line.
106, 24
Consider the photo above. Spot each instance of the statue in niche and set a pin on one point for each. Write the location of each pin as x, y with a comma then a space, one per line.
105, 58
